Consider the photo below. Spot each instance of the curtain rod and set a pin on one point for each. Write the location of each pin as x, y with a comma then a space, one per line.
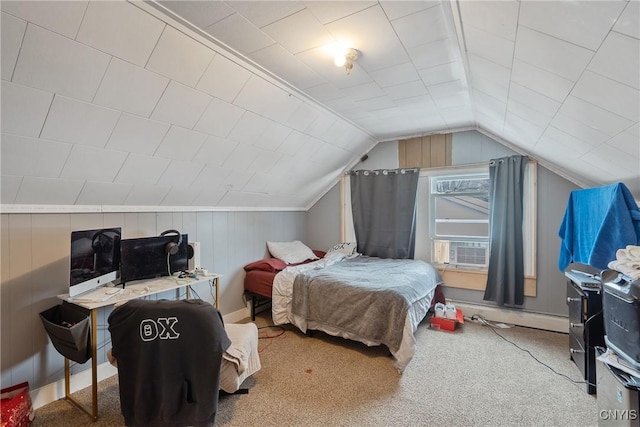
465, 165
383, 171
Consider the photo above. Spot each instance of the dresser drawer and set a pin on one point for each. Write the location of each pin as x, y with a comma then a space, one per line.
577, 353
577, 303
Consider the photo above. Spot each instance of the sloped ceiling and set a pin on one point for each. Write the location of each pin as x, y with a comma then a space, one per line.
238, 103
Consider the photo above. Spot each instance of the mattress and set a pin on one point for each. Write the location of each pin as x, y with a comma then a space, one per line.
419, 304
259, 282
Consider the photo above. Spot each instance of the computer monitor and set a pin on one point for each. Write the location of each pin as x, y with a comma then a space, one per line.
149, 257
94, 259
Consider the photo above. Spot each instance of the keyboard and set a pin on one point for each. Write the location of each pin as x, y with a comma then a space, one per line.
98, 295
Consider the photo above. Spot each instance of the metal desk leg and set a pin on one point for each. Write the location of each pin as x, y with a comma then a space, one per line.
216, 283
94, 373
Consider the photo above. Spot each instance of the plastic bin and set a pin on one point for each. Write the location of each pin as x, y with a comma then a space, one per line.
69, 329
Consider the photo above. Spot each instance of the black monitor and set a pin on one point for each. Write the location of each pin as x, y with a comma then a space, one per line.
150, 257
94, 259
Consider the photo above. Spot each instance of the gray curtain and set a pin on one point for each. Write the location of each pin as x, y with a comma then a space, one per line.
384, 212
505, 280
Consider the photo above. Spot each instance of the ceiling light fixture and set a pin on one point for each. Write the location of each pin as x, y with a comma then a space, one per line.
345, 59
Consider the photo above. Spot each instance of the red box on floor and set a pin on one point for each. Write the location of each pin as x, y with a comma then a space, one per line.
447, 324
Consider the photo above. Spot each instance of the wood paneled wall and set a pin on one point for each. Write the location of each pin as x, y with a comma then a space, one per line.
34, 269
426, 151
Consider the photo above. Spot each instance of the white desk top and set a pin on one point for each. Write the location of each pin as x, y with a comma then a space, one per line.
138, 289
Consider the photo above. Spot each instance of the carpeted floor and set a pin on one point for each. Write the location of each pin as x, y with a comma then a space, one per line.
470, 377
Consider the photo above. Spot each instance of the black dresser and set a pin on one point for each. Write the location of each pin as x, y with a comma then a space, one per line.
586, 328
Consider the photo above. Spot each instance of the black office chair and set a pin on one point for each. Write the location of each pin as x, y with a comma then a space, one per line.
168, 357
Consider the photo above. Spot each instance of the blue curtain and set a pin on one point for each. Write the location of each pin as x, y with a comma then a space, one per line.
383, 203
505, 279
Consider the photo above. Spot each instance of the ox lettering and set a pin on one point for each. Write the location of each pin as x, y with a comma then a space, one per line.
162, 328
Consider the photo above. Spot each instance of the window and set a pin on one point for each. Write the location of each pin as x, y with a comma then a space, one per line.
457, 202
459, 226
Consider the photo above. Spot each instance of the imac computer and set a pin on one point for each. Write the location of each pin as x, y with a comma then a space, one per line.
94, 260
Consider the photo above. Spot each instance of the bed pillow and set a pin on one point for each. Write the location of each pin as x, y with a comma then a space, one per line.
347, 248
271, 265
291, 252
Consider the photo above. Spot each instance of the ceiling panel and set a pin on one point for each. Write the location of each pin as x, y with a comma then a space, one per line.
618, 59
489, 46
61, 17
130, 88
24, 109
181, 173
11, 31
369, 31
608, 94
541, 81
220, 103
18, 156
202, 14
398, 8
262, 13
93, 164
279, 60
180, 105
327, 12
594, 116
54, 63
79, 122
422, 27
9, 186
179, 57
103, 193
120, 29
142, 169
396, 74
582, 23
627, 141
629, 21
299, 32
141, 195
181, 144
137, 134
240, 34
48, 191
219, 118
551, 54
499, 18
223, 78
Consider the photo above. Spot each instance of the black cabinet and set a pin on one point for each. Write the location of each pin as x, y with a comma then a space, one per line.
586, 328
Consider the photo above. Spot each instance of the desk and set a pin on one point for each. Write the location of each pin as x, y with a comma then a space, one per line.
132, 290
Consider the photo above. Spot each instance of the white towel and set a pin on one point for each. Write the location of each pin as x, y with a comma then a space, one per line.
244, 340
621, 255
241, 359
633, 252
628, 269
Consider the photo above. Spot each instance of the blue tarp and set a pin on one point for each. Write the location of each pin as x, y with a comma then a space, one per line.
597, 222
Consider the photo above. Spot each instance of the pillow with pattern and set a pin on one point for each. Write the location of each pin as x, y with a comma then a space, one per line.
347, 248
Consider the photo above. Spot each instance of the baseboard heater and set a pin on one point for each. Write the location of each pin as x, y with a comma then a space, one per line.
529, 319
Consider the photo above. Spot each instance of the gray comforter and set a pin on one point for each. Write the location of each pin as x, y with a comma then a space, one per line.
365, 295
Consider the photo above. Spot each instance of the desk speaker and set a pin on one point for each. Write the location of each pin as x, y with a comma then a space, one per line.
194, 261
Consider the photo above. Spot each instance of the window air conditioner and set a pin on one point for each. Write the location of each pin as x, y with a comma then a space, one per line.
468, 253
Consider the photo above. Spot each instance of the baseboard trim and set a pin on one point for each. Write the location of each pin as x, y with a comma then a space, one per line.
237, 315
516, 317
55, 391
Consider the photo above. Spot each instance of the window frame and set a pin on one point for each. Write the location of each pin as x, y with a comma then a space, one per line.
530, 206
430, 176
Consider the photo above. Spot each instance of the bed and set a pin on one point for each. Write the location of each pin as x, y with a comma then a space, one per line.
371, 300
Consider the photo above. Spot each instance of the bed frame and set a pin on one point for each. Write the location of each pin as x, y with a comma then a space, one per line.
259, 303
